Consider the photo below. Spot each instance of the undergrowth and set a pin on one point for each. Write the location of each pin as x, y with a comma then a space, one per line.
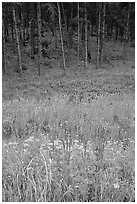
59, 150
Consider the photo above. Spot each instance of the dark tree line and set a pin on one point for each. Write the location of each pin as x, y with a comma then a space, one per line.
26, 22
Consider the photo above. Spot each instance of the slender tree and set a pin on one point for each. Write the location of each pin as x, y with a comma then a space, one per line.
86, 37
32, 30
61, 37
12, 32
126, 33
78, 38
3, 49
71, 14
55, 34
64, 16
39, 37
127, 26
27, 24
98, 37
103, 30
23, 23
65, 21
17, 41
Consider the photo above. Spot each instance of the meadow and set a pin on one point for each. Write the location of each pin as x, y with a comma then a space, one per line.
69, 138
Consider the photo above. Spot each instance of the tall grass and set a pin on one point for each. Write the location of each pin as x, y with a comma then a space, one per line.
59, 151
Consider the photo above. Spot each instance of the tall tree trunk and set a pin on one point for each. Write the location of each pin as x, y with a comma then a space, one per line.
20, 34
27, 26
6, 33
32, 31
103, 30
71, 15
78, 38
17, 42
62, 45
86, 37
127, 26
65, 21
55, 34
126, 34
23, 23
12, 33
24, 34
3, 49
39, 37
98, 40
64, 16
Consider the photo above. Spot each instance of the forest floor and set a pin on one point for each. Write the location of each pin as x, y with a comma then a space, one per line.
70, 137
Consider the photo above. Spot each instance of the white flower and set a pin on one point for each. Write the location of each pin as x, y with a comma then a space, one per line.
116, 185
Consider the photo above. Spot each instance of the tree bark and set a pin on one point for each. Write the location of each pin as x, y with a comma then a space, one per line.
61, 37
39, 37
17, 42
86, 38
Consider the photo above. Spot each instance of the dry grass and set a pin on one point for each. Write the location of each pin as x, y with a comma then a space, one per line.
61, 150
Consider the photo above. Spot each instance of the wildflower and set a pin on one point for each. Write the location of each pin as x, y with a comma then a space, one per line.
116, 185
